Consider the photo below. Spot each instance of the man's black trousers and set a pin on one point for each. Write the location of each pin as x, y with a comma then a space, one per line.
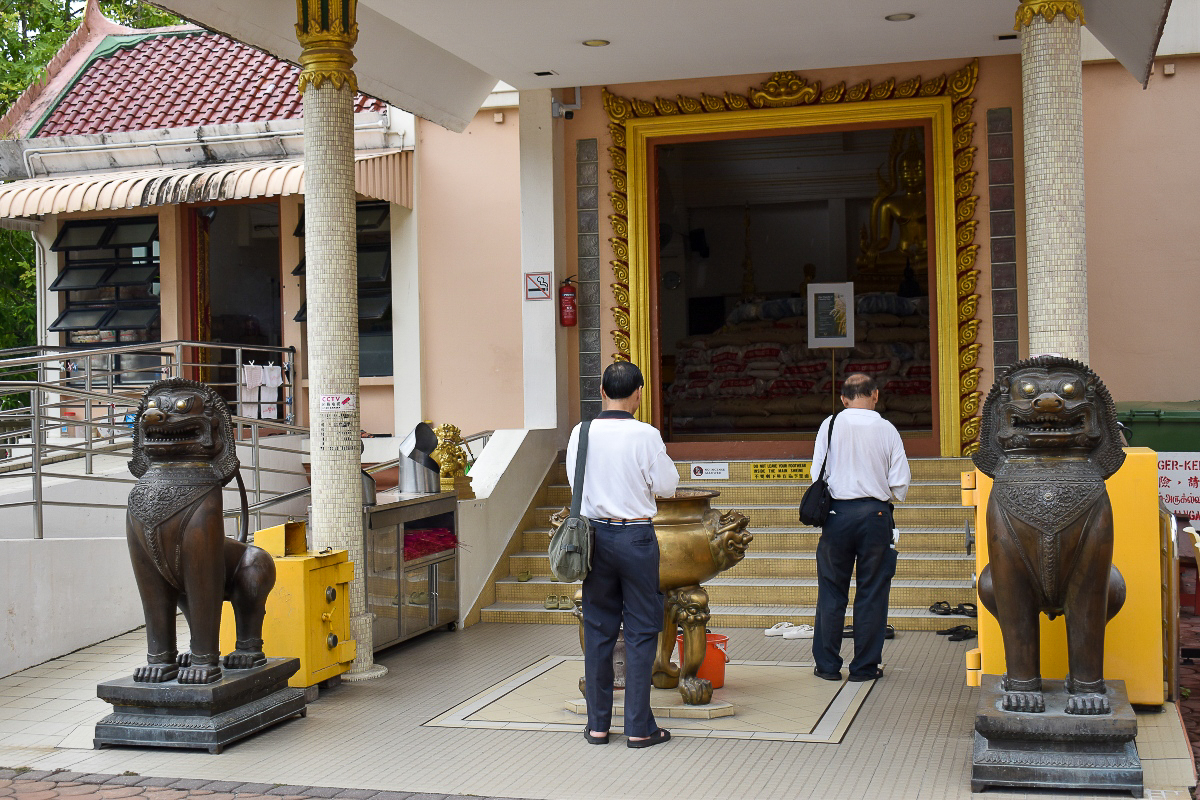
856, 532
622, 586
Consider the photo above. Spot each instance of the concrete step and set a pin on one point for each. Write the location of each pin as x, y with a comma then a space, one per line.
906, 593
783, 566
923, 469
804, 540
738, 494
737, 616
908, 515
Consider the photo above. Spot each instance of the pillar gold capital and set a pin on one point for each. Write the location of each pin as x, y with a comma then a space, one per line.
1048, 10
327, 30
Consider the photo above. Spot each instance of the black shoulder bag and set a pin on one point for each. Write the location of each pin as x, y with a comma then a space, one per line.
571, 545
814, 505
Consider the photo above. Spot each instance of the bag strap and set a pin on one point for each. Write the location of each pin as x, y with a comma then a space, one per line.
828, 447
580, 463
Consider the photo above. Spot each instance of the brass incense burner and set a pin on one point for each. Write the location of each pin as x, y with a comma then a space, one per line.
696, 543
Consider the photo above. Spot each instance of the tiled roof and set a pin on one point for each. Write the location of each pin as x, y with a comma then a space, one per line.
174, 80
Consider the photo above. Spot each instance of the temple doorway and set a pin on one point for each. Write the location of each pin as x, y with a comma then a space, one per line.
744, 226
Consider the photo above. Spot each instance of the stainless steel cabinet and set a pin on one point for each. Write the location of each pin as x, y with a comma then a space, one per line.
409, 597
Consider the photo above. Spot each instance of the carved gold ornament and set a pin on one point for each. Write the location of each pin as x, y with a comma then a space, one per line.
785, 90
327, 30
1048, 10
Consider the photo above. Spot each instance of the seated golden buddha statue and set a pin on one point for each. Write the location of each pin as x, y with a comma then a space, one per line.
898, 213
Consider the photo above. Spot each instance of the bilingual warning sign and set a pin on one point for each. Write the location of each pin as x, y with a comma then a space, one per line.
1179, 483
781, 471
331, 403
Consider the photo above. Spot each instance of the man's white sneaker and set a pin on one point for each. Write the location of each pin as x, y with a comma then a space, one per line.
778, 629
799, 632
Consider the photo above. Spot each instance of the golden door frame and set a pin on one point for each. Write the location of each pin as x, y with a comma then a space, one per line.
787, 102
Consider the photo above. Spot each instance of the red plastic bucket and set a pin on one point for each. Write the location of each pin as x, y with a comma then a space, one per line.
716, 656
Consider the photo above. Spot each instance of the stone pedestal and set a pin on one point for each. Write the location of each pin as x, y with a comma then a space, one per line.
1054, 749
208, 716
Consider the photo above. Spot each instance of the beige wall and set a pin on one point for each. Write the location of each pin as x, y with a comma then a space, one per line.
1142, 171
468, 218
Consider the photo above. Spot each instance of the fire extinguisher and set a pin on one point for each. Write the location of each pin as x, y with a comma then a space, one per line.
567, 313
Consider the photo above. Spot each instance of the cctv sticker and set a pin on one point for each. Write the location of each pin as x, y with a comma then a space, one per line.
710, 470
332, 403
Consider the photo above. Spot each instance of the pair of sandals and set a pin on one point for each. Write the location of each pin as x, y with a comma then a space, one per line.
658, 737
787, 630
559, 602
942, 608
959, 633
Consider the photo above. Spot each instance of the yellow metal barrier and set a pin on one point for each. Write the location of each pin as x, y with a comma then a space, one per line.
1134, 640
308, 613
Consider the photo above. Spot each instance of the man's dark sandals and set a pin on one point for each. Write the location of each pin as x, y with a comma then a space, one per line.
829, 676
869, 676
963, 635
942, 608
594, 739
966, 609
658, 737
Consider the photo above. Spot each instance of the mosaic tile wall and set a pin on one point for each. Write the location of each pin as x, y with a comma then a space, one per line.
1002, 195
587, 205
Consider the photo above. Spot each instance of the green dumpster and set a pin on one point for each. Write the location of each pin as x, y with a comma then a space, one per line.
1165, 427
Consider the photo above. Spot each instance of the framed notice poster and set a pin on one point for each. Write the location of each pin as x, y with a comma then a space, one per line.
830, 315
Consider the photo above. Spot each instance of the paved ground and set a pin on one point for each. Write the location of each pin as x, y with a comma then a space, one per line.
911, 739
35, 785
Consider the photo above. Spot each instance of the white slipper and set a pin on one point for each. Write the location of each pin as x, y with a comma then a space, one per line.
799, 632
778, 629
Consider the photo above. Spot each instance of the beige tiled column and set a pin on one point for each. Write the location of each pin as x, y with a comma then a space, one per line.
1052, 92
328, 32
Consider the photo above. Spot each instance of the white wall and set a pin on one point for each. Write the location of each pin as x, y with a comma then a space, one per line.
57, 595
505, 479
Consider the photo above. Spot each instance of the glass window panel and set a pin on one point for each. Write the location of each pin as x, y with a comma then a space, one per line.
132, 275
374, 263
371, 217
374, 354
81, 319
133, 233
374, 306
80, 235
132, 318
74, 278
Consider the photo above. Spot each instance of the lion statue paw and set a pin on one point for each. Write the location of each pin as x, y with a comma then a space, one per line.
696, 691
1089, 703
1029, 702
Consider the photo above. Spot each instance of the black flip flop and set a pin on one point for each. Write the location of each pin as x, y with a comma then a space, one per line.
889, 632
595, 739
962, 636
966, 609
941, 608
658, 737
954, 630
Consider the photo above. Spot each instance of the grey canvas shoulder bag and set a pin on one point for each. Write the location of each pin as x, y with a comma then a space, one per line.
571, 545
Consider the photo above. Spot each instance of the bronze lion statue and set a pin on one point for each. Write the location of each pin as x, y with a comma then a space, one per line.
184, 451
1049, 440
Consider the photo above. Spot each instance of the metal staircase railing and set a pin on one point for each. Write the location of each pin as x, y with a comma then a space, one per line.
71, 403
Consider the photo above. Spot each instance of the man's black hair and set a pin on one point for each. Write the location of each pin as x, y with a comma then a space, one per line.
858, 384
621, 379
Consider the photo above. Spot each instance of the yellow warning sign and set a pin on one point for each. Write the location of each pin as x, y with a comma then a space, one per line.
781, 471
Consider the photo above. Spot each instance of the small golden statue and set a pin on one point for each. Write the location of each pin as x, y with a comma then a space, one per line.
450, 455
900, 205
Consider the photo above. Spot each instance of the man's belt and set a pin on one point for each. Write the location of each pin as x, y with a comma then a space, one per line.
611, 521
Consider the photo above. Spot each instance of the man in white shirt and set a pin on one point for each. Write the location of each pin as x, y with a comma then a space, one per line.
867, 468
627, 467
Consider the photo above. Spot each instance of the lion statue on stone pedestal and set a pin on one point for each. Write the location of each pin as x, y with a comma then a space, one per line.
1050, 439
184, 452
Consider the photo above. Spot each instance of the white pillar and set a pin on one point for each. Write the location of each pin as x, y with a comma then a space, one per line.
544, 341
328, 33
1056, 255
407, 382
